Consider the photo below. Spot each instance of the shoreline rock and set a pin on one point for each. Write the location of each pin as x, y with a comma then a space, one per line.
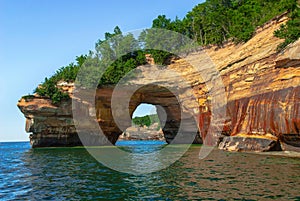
262, 89
246, 144
143, 133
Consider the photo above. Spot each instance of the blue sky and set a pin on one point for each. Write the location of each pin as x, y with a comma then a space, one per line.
143, 109
39, 36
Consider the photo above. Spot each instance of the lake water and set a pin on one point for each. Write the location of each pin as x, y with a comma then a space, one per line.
72, 174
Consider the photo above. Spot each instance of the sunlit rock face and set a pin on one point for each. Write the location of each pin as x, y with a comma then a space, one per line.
52, 125
261, 99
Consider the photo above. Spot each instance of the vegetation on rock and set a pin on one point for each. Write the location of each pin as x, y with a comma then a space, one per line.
121, 50
147, 120
216, 21
68, 73
291, 30
212, 22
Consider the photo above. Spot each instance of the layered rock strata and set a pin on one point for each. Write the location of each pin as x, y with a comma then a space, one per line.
261, 99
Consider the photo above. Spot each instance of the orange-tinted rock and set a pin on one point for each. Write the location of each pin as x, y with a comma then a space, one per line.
273, 112
261, 89
50, 125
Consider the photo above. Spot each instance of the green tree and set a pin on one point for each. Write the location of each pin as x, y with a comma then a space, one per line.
291, 30
211, 22
147, 120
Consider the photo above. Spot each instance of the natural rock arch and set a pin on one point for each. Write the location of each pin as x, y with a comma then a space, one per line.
151, 94
258, 83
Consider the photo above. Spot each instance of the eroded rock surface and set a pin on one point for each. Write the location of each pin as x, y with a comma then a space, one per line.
143, 133
249, 143
261, 97
50, 125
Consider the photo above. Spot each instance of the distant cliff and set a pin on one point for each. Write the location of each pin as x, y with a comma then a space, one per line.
261, 85
143, 133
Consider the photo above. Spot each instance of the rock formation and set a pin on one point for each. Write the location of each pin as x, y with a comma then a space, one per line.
143, 133
262, 99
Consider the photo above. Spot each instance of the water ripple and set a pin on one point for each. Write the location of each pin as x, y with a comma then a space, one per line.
72, 174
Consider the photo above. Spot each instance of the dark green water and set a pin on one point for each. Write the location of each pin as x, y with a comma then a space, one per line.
72, 174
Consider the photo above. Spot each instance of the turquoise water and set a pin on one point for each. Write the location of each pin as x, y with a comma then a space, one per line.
72, 174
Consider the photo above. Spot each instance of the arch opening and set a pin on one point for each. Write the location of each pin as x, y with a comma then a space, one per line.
145, 124
179, 127
172, 118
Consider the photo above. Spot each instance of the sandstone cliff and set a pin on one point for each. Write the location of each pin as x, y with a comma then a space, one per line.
261, 87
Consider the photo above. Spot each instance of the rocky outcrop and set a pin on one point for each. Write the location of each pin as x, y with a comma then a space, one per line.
250, 143
261, 99
143, 133
50, 125
263, 89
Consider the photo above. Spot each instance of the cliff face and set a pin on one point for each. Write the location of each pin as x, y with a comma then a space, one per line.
261, 88
50, 125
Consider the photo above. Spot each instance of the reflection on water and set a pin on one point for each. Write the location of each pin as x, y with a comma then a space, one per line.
71, 173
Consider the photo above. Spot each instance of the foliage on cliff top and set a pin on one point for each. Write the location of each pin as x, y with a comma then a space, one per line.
147, 120
212, 22
291, 30
105, 52
216, 21
68, 73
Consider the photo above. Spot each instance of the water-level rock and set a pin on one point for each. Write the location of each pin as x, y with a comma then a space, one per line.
249, 143
262, 97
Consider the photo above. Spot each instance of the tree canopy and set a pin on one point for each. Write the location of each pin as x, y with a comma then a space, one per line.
147, 120
212, 22
216, 21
